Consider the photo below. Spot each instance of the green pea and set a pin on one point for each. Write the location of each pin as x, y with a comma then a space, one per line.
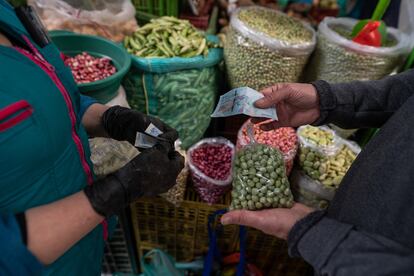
259, 205
256, 179
250, 204
263, 200
252, 171
259, 185
282, 201
255, 198
255, 191
244, 165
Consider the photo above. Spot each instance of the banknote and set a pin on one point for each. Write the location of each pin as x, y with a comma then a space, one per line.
240, 101
149, 138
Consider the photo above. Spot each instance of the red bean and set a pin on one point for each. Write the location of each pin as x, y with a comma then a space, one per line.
86, 68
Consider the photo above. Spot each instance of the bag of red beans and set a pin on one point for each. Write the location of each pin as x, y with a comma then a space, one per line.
283, 139
210, 162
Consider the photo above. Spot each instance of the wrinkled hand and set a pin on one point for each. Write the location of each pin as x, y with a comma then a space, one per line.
122, 124
152, 172
296, 104
276, 222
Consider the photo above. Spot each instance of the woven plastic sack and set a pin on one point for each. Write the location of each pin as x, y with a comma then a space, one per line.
278, 142
339, 59
309, 191
180, 91
257, 59
112, 19
209, 189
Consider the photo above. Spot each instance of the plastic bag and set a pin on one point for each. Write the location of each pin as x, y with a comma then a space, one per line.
112, 19
339, 59
157, 262
259, 178
283, 139
309, 191
257, 59
120, 99
211, 189
329, 142
180, 91
108, 155
328, 167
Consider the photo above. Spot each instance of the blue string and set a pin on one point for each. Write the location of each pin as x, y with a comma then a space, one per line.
213, 251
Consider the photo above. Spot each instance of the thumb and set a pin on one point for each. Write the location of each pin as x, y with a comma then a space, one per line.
242, 217
272, 96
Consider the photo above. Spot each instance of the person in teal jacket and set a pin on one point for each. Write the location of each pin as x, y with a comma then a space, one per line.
45, 161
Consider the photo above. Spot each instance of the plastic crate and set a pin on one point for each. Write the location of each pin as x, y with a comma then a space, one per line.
157, 7
182, 232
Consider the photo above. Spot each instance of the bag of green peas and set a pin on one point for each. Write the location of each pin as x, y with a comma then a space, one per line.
259, 179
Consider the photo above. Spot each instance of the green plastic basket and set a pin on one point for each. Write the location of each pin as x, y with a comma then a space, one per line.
72, 44
157, 7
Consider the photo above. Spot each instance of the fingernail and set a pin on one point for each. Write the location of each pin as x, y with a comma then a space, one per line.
225, 220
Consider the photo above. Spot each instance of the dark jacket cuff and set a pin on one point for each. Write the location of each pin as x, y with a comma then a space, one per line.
327, 100
21, 221
318, 243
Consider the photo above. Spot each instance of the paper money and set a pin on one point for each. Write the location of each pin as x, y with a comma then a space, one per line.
149, 138
240, 101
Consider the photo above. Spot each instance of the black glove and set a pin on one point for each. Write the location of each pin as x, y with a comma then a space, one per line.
122, 124
152, 172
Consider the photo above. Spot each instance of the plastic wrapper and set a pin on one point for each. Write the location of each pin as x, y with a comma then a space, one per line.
259, 179
320, 139
120, 99
343, 133
283, 139
257, 58
338, 59
113, 19
327, 167
108, 156
210, 189
180, 91
309, 191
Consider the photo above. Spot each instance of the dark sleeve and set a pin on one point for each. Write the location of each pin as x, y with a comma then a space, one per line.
335, 248
363, 104
15, 258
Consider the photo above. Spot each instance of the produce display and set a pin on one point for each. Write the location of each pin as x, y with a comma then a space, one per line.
111, 19
283, 139
338, 59
326, 166
260, 179
264, 47
86, 68
310, 192
210, 162
168, 37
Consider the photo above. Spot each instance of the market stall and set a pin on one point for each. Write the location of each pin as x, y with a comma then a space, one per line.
173, 60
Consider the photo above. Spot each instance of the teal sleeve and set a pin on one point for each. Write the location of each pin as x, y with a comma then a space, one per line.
85, 103
15, 258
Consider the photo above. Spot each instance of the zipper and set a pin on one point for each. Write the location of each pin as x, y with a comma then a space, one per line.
49, 69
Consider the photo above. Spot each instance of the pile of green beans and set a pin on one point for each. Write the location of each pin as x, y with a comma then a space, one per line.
183, 99
259, 179
167, 37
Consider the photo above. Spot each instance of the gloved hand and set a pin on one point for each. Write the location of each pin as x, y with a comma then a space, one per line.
152, 172
122, 124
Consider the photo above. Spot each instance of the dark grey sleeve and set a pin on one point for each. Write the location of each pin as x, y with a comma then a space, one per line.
363, 104
335, 248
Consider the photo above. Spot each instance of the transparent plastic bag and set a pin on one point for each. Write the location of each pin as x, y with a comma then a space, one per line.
306, 135
283, 139
329, 169
338, 59
210, 189
120, 99
112, 19
258, 59
309, 191
260, 179
108, 155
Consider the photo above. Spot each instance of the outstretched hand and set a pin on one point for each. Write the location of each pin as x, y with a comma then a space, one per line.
297, 104
276, 222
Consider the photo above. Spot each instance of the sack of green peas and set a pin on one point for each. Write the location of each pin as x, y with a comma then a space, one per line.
309, 191
338, 59
259, 179
180, 91
264, 46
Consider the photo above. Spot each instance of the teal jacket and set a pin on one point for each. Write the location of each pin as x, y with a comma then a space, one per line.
44, 151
